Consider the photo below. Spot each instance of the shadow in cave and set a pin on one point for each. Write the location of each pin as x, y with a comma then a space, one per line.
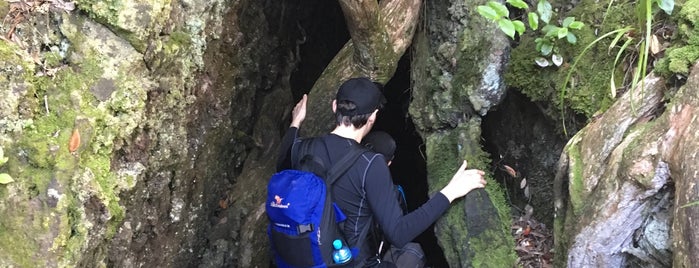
518, 134
408, 167
323, 28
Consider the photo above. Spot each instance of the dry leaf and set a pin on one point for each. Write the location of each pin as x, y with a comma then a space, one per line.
542, 62
654, 45
523, 183
557, 59
510, 171
526, 192
74, 141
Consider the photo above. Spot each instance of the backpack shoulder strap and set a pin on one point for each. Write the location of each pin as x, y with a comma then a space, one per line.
344, 164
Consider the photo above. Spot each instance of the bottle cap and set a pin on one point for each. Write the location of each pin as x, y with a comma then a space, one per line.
337, 244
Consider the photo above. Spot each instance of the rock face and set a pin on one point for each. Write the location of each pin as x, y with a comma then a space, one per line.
149, 88
457, 62
629, 175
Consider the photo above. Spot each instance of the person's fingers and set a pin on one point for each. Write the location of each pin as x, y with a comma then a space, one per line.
473, 172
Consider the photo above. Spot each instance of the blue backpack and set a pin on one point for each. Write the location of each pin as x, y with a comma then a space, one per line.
304, 221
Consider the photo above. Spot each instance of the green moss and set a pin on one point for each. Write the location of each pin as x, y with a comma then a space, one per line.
52, 59
588, 88
639, 140
177, 40
86, 172
18, 246
104, 11
576, 186
685, 49
490, 254
679, 59
444, 151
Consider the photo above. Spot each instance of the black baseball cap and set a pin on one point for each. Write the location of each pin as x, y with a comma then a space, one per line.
380, 142
364, 93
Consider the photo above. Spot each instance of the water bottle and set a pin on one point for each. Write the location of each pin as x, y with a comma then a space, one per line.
342, 254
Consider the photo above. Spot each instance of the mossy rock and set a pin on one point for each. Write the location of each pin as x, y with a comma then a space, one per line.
134, 20
588, 88
64, 201
685, 49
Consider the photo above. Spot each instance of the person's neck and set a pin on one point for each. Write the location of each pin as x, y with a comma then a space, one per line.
349, 133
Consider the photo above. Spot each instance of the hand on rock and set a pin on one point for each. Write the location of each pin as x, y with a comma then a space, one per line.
464, 181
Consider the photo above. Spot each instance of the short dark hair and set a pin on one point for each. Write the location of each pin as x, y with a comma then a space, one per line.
357, 121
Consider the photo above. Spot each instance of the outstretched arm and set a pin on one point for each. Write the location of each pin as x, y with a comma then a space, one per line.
298, 114
401, 229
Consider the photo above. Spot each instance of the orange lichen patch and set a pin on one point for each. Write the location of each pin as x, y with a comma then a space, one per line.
74, 142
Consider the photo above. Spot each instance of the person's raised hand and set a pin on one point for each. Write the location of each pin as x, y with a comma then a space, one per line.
299, 112
463, 182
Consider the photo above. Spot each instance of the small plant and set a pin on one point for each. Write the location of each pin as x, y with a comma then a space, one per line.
695, 203
4, 177
546, 45
645, 18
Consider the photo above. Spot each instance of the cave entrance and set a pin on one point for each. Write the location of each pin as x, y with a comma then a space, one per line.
322, 27
408, 167
520, 136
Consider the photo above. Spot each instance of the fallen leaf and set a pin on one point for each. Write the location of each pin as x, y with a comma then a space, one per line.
654, 45
523, 183
557, 59
528, 211
526, 192
542, 62
74, 141
510, 171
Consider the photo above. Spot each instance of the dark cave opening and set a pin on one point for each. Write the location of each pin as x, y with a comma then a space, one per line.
408, 167
517, 134
323, 28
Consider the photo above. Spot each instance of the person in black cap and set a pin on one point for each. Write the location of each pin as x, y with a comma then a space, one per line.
361, 192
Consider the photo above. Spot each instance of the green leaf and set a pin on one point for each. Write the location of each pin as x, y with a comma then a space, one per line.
567, 21
533, 20
508, 27
546, 48
552, 31
539, 42
570, 37
666, 5
3, 160
5, 178
518, 4
562, 32
576, 25
544, 9
519, 26
500, 9
488, 12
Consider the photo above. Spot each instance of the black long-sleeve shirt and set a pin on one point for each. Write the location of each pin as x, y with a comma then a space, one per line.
367, 190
